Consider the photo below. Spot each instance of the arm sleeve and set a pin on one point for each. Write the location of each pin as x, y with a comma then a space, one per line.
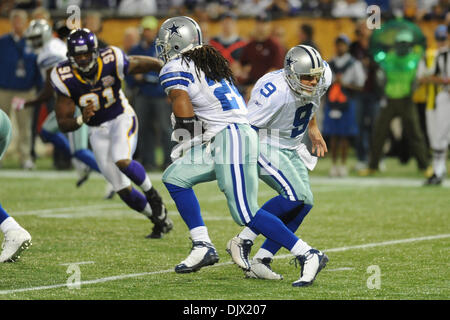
59, 86
263, 105
174, 76
122, 62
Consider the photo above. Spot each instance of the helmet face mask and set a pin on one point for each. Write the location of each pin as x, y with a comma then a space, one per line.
82, 51
304, 71
38, 34
177, 35
85, 61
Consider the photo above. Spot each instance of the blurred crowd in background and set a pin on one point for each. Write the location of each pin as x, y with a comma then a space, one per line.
346, 127
411, 9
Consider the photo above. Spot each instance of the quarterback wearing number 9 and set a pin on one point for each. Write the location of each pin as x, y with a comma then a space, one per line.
282, 108
199, 83
91, 78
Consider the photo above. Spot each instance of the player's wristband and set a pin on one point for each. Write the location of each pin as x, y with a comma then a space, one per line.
80, 120
185, 123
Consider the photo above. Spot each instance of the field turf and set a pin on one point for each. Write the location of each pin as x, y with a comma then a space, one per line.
388, 223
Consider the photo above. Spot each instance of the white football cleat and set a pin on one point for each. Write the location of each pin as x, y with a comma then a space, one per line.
239, 249
202, 254
15, 242
260, 269
311, 263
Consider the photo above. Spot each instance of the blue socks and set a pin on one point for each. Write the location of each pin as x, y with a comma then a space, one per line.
292, 225
58, 139
187, 205
264, 222
136, 172
135, 200
290, 214
87, 156
3, 214
273, 228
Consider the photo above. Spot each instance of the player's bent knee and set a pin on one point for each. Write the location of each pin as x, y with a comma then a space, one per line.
123, 164
173, 175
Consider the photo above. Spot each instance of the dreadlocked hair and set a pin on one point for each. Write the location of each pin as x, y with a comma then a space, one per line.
211, 62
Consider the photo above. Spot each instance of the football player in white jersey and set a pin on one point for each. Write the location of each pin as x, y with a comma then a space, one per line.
199, 83
282, 109
51, 51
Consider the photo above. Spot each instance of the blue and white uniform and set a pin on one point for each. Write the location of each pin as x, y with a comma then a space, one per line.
229, 150
281, 118
216, 104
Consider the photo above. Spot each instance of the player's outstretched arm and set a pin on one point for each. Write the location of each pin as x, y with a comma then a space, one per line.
65, 110
319, 147
183, 110
144, 64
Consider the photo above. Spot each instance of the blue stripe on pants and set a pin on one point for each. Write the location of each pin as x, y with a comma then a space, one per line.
238, 194
279, 177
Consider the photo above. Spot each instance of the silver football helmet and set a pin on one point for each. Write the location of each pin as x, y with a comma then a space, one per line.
38, 34
177, 35
304, 62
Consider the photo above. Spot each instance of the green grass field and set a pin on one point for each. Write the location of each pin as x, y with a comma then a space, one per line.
388, 221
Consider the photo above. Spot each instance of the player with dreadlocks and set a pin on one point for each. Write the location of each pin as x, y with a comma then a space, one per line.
216, 142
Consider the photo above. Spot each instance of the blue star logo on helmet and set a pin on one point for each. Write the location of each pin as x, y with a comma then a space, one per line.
289, 61
174, 30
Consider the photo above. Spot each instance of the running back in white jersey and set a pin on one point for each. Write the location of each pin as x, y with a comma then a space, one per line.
275, 107
53, 52
216, 104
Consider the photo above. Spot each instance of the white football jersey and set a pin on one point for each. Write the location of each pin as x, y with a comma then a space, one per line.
281, 116
53, 52
216, 104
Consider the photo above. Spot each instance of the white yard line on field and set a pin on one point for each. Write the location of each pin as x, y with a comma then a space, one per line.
101, 210
156, 176
135, 275
340, 269
54, 174
40, 212
78, 263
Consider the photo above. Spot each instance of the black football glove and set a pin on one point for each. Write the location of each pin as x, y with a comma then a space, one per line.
189, 124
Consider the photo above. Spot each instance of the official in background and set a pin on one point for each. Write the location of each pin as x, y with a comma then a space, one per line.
438, 119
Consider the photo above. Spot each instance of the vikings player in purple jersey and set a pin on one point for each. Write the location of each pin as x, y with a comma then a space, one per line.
91, 79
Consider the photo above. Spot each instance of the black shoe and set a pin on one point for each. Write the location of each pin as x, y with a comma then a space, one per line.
202, 254
84, 177
434, 180
109, 195
160, 219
